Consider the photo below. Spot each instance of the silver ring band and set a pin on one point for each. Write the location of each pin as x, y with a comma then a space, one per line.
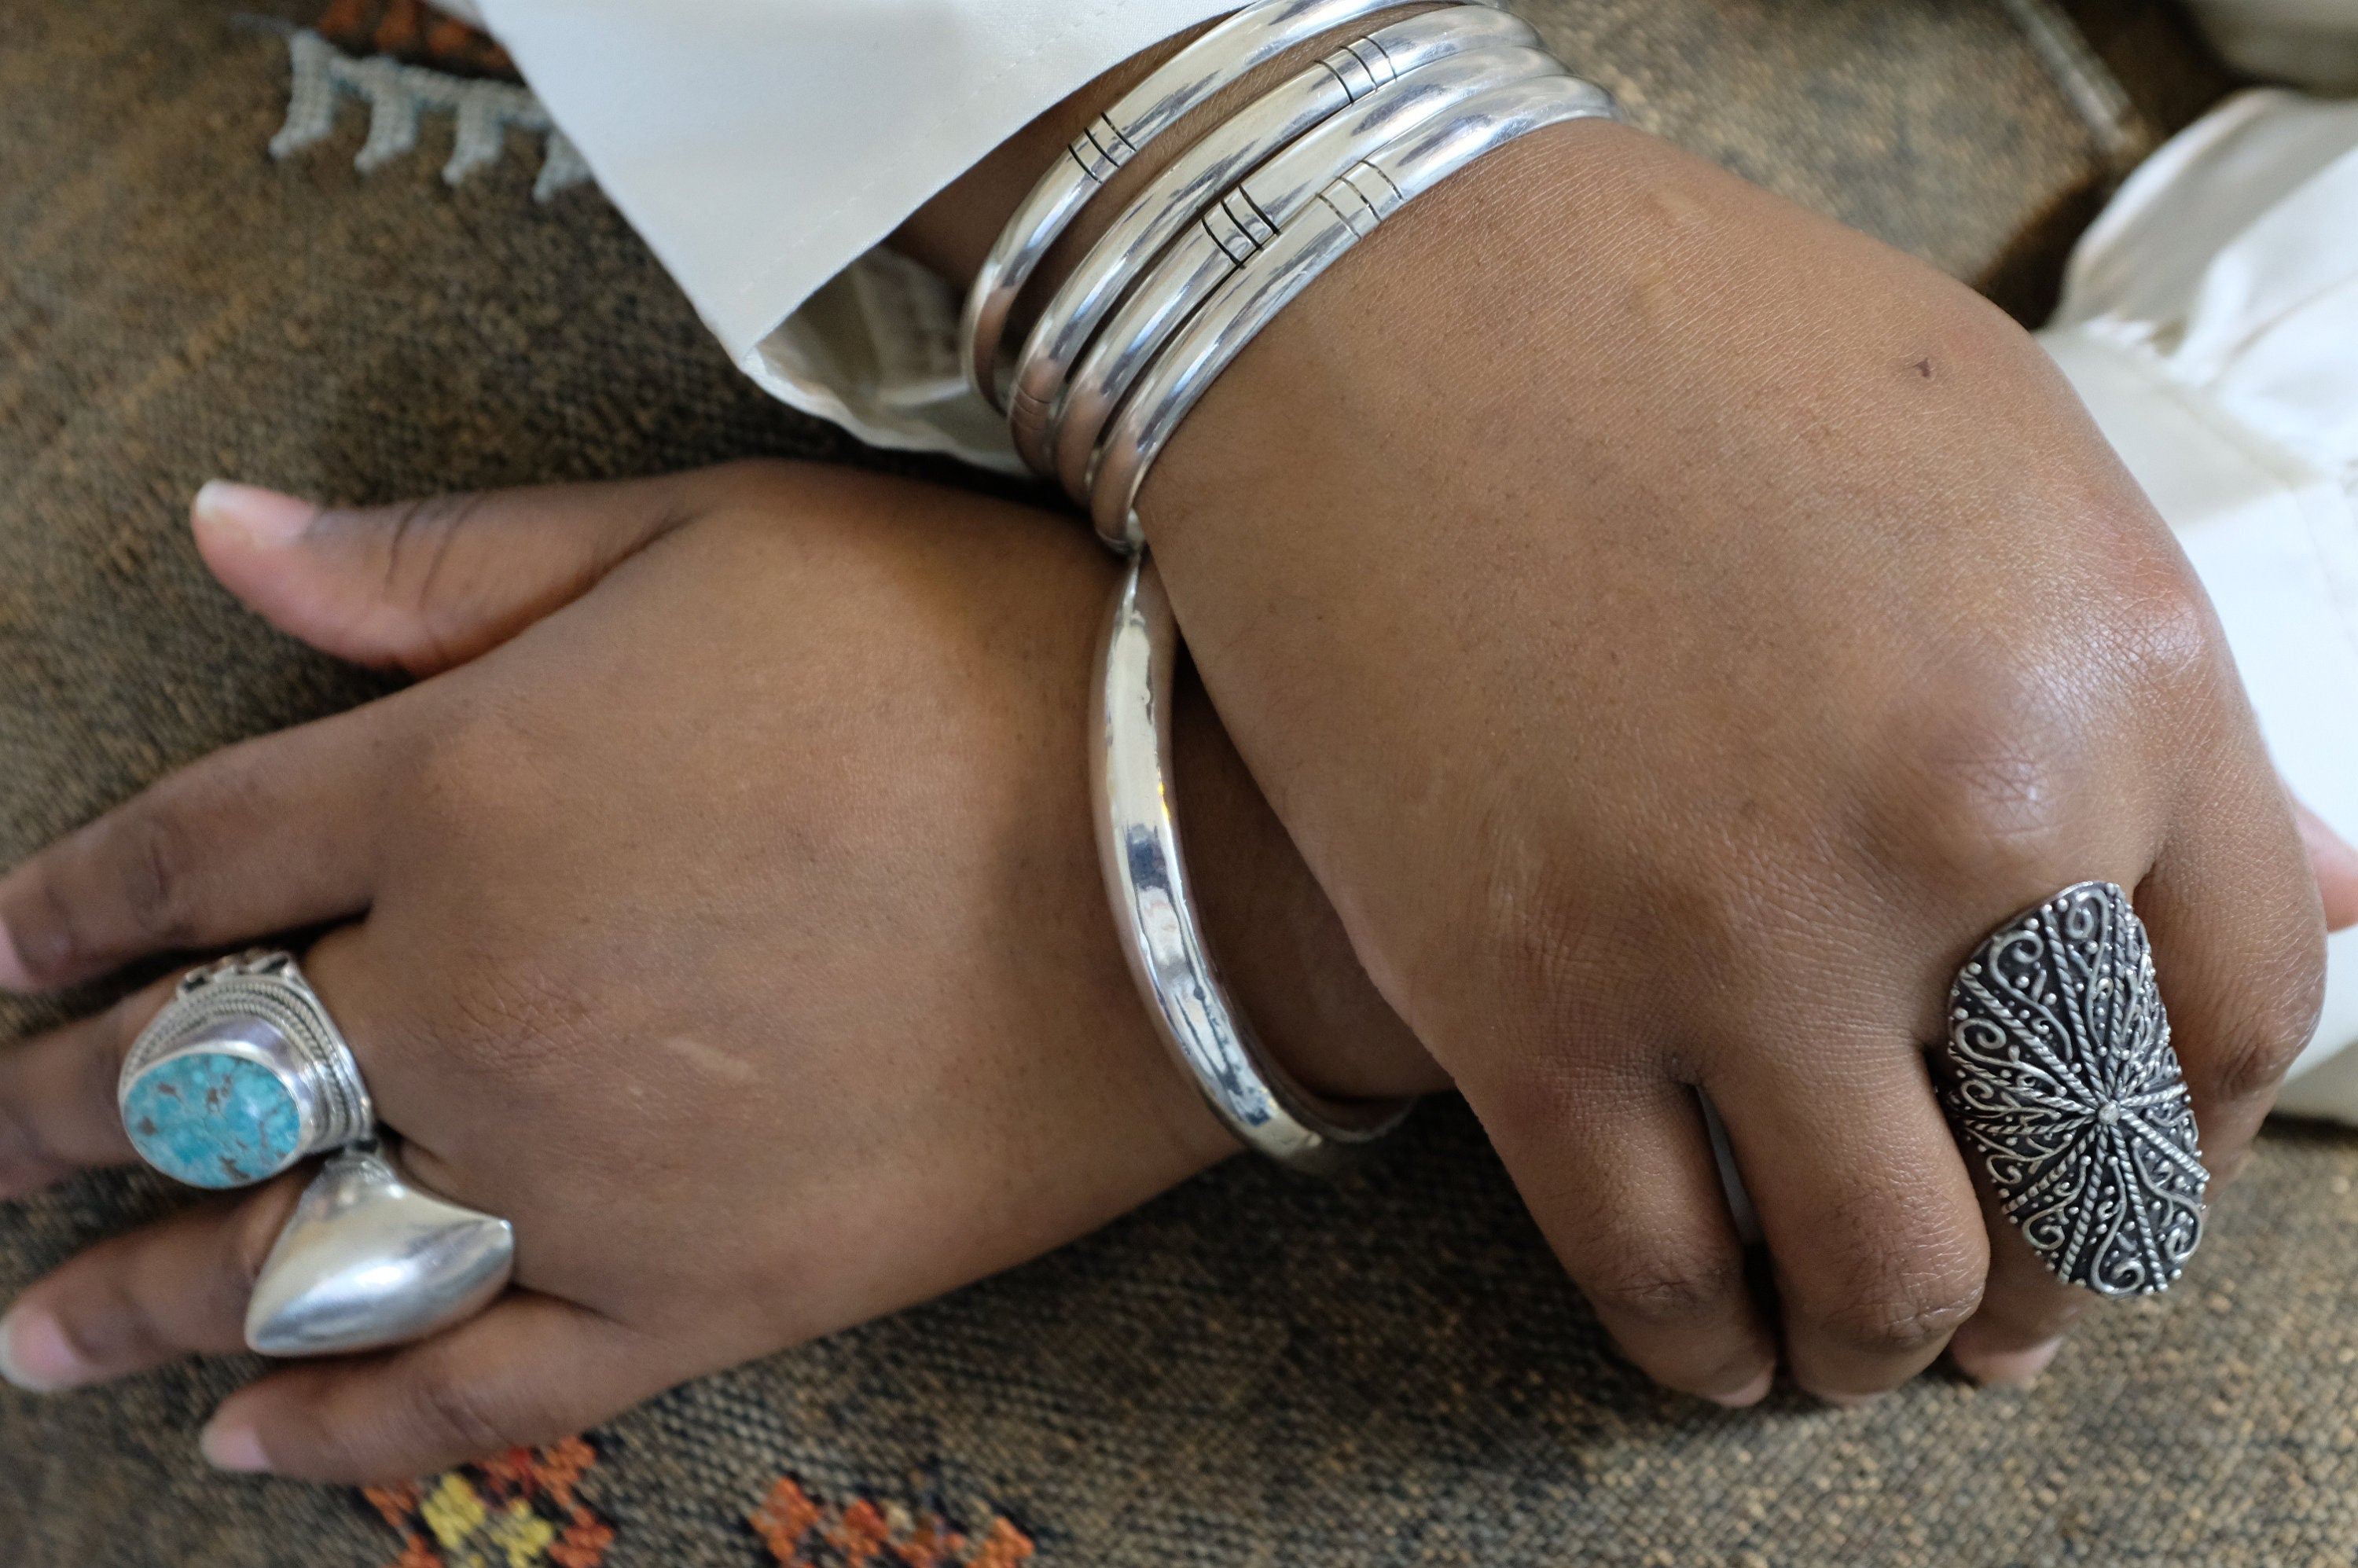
2063, 1081
1246, 41
1146, 879
1346, 211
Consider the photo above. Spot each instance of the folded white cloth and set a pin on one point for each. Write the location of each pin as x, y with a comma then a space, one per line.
2210, 320
764, 147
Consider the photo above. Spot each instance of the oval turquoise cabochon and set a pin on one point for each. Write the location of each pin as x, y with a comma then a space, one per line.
213, 1119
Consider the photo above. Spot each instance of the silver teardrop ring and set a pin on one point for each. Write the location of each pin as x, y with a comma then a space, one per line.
2063, 1083
242, 1075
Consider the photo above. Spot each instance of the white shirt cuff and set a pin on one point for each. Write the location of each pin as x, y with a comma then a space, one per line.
763, 147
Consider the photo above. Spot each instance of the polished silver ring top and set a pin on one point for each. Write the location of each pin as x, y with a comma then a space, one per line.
2063, 1083
242, 1075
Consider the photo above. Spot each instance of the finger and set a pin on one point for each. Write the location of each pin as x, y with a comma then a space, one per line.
2335, 864
142, 1301
2232, 908
1624, 1183
270, 834
531, 1370
1878, 1245
58, 1113
2026, 1310
423, 585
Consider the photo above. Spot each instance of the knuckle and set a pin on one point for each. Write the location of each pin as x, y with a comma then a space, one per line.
1990, 793
417, 543
1665, 1290
2274, 1022
455, 1413
151, 850
1905, 1313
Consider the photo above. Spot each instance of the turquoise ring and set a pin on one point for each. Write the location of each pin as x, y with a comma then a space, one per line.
242, 1074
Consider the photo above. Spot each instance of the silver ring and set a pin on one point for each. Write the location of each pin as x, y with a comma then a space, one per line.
368, 1259
242, 1075
2062, 1079
1146, 879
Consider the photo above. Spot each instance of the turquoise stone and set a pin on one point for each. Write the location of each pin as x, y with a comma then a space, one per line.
213, 1119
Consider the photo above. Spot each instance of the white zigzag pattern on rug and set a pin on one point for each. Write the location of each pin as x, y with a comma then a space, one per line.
397, 94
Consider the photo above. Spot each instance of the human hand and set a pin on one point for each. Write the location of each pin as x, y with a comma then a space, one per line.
722, 910
1676, 629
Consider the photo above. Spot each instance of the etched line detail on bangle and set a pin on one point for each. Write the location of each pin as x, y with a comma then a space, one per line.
1238, 226
1363, 196
1360, 67
1101, 149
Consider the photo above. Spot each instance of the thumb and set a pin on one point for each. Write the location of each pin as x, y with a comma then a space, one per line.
423, 585
2336, 864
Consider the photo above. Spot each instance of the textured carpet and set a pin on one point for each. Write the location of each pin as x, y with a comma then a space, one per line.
1255, 1370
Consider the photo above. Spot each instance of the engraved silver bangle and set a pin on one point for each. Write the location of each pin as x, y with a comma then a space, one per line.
1270, 123
1269, 198
1146, 880
1346, 211
1252, 37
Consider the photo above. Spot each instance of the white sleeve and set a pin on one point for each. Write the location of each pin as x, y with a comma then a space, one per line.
2210, 320
764, 147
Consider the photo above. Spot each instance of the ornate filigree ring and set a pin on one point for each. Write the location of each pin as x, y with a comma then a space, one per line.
240, 1076
2063, 1083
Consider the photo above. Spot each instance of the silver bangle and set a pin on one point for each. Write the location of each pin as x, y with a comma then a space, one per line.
1346, 211
1146, 880
1269, 198
1212, 62
1278, 118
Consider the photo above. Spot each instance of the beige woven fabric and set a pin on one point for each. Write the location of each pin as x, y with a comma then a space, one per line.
1253, 1372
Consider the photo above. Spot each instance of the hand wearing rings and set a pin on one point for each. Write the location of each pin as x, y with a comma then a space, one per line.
719, 911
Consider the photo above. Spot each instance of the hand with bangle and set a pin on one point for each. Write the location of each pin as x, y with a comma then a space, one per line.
1694, 657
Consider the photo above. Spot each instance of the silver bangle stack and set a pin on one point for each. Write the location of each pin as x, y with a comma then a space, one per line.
1206, 256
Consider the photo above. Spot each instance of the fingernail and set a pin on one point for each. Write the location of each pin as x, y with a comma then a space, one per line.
2013, 1368
264, 516
14, 976
35, 1355
232, 1444
1752, 1393
1851, 1402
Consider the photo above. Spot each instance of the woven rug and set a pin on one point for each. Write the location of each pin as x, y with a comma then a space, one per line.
1253, 1372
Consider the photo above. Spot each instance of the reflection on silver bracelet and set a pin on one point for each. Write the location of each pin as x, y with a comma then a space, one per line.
1146, 877
1250, 38
1203, 258
1345, 212
1211, 167
1229, 230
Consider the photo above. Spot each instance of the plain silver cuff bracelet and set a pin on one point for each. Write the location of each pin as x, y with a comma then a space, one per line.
1146, 877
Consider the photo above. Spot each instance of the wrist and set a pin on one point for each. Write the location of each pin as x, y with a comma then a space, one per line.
1282, 949
952, 232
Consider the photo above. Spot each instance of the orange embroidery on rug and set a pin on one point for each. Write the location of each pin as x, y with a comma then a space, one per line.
518, 1510
801, 1533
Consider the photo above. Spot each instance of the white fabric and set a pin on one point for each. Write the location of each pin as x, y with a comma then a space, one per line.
763, 147
2210, 321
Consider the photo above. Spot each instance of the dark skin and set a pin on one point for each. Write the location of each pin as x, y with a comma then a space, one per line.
1675, 629
837, 984
1629, 773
